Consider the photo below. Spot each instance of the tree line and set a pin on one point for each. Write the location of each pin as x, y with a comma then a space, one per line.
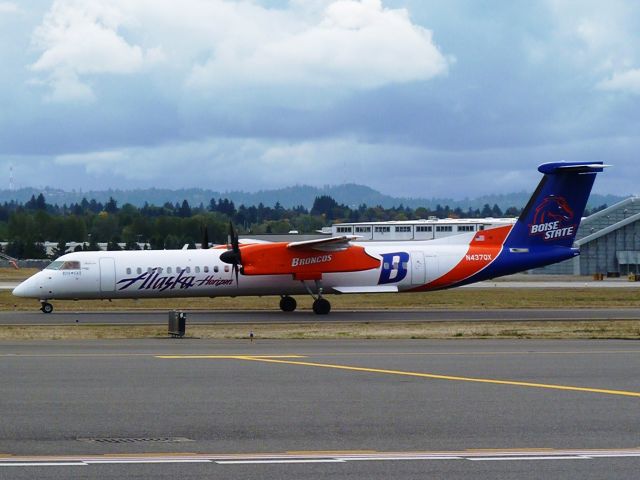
26, 226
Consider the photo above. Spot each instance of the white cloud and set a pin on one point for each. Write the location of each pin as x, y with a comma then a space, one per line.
81, 38
627, 81
225, 44
353, 44
8, 7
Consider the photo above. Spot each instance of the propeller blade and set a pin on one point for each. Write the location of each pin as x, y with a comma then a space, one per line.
233, 255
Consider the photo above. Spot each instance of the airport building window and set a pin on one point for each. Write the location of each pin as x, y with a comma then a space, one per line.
466, 228
344, 229
382, 229
403, 228
444, 228
424, 228
363, 229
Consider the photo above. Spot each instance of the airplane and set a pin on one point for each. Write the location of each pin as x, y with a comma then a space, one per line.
542, 235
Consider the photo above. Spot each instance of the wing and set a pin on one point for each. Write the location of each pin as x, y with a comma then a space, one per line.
331, 244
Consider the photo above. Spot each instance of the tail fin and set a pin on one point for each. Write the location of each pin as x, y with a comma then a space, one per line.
553, 214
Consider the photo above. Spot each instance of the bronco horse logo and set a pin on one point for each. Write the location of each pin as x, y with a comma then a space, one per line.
553, 209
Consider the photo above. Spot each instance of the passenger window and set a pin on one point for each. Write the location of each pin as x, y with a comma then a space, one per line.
178, 270
206, 269
139, 270
149, 270
226, 268
197, 269
188, 269
128, 271
159, 269
168, 269
215, 269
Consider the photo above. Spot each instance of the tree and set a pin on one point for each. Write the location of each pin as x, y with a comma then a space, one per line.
59, 249
111, 206
185, 210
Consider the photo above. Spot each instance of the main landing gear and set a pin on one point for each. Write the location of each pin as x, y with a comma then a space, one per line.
46, 307
321, 306
288, 304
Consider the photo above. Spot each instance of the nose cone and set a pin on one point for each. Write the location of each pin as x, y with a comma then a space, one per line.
27, 289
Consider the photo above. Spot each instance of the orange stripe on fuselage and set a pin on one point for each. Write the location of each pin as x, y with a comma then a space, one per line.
483, 249
304, 263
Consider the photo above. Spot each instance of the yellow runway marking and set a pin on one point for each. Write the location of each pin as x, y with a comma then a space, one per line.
445, 377
232, 357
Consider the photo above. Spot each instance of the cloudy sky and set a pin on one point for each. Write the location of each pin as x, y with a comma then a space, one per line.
448, 98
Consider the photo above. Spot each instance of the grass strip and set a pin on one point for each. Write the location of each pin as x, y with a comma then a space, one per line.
606, 329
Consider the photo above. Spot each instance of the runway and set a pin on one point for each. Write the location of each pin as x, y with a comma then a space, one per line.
252, 317
320, 409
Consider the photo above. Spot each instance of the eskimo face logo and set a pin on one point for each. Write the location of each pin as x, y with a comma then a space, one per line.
551, 219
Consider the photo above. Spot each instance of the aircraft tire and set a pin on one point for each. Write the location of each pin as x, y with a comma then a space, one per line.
321, 306
288, 304
46, 307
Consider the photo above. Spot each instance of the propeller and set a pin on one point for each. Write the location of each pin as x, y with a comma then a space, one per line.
205, 237
232, 255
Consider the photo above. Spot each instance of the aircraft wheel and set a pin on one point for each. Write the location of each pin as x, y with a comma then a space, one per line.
46, 307
288, 304
321, 306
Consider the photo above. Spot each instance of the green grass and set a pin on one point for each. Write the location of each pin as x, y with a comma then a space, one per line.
622, 329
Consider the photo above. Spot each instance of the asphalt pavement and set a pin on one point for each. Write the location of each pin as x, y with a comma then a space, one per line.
320, 409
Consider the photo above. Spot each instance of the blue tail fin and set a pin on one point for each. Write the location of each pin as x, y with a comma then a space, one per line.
553, 214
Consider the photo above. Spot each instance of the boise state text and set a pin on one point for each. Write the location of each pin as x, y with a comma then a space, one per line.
551, 230
154, 281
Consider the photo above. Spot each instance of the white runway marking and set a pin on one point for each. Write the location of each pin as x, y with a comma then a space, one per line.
318, 457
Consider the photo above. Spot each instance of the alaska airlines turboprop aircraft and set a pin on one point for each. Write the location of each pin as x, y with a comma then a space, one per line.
543, 234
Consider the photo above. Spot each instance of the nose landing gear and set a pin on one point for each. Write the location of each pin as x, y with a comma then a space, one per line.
45, 306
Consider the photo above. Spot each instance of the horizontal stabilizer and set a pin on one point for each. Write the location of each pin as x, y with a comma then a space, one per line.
572, 167
368, 289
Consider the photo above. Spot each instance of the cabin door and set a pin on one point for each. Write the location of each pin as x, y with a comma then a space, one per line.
418, 270
107, 275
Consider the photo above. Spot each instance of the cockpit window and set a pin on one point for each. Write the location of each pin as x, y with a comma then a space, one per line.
70, 265
54, 265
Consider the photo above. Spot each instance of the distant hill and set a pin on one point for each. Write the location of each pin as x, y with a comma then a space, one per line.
350, 194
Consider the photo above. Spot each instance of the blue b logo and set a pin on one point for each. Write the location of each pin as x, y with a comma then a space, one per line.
394, 267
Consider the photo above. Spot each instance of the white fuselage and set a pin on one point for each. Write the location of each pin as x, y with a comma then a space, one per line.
201, 273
